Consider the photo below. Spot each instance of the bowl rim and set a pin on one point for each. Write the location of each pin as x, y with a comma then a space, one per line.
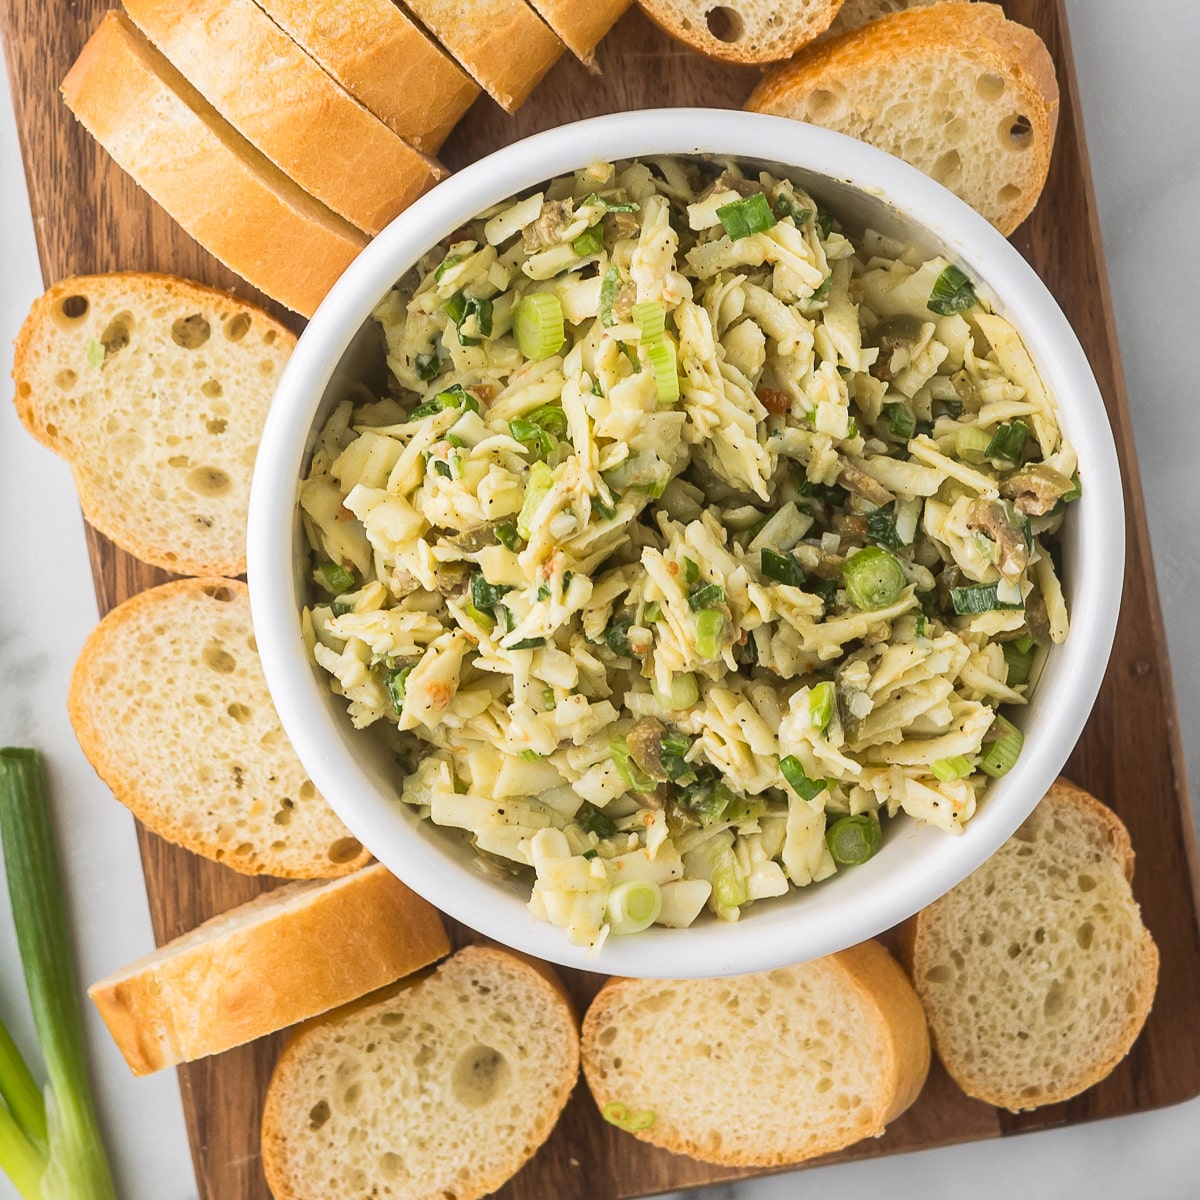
771, 936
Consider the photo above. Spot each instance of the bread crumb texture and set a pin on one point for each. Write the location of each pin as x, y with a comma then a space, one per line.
746, 31
1036, 972
442, 1090
170, 705
155, 390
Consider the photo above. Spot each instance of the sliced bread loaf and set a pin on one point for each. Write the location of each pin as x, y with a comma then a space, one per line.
956, 90
289, 955
581, 26
169, 703
746, 31
808, 1058
1036, 972
501, 43
280, 100
155, 390
385, 60
443, 1088
855, 13
224, 192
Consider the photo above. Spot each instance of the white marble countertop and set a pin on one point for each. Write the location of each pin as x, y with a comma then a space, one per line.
1141, 90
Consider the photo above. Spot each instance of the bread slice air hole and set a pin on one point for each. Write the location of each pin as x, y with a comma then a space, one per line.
190, 332
237, 328
117, 333
725, 24
824, 105
1016, 132
990, 86
73, 308
345, 850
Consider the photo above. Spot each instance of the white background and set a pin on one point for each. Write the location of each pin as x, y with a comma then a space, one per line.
1140, 83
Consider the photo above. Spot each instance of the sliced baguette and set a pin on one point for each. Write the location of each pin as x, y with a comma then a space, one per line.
855, 13
744, 31
958, 91
763, 1069
222, 191
581, 26
282, 958
1036, 972
282, 102
169, 703
155, 390
385, 60
502, 44
443, 1088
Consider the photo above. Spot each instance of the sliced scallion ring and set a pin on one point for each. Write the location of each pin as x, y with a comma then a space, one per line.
633, 906
853, 840
538, 325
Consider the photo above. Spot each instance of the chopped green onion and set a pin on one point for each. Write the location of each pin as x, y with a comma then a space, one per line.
691, 572
337, 578
548, 697
852, 840
824, 223
952, 293
971, 444
533, 643
626, 206
591, 820
480, 618
397, 685
711, 630
608, 293
804, 787
453, 397
651, 319
728, 884
977, 598
481, 310
822, 703
588, 854
541, 480
652, 613
486, 595
823, 291
76, 1160
505, 617
538, 325
506, 535
543, 593
1020, 663
948, 769
899, 419
674, 749
1003, 750
749, 215
427, 366
633, 906
528, 755
663, 363
683, 692
1074, 493
781, 567
874, 578
533, 436
711, 595
616, 637
618, 1115
607, 511
589, 242
881, 527
786, 206
451, 260
631, 355
1008, 442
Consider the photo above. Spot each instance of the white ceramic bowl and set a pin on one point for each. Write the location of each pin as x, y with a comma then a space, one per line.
917, 863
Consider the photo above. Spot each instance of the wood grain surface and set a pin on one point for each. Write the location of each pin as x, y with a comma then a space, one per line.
90, 217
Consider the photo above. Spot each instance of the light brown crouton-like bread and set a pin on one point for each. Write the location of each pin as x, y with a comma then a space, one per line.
745, 31
282, 958
443, 1088
1036, 972
581, 26
956, 90
822, 1055
502, 44
169, 703
237, 204
155, 390
385, 60
279, 99
855, 13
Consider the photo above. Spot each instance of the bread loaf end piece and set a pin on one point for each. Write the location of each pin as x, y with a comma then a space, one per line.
581, 26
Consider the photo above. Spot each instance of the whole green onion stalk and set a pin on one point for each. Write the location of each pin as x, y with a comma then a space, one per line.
52, 1152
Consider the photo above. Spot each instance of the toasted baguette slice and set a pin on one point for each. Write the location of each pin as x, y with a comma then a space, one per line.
763, 1069
169, 703
284, 957
385, 60
443, 1088
280, 100
956, 90
228, 196
745, 31
581, 26
855, 13
155, 390
1036, 972
501, 43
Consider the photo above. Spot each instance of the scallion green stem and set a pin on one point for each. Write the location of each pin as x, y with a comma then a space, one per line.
19, 1090
19, 1159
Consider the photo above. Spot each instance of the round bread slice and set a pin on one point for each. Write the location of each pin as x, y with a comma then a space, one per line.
284, 957
764, 1069
957, 90
169, 703
442, 1089
1036, 972
744, 31
155, 390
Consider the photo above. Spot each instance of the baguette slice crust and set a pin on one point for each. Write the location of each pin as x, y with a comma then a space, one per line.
744, 31
219, 188
581, 26
443, 1088
155, 390
383, 59
502, 44
1036, 972
815, 1057
957, 90
170, 706
855, 13
284, 957
280, 100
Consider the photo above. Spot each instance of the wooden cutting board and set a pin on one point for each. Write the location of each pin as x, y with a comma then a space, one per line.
90, 217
